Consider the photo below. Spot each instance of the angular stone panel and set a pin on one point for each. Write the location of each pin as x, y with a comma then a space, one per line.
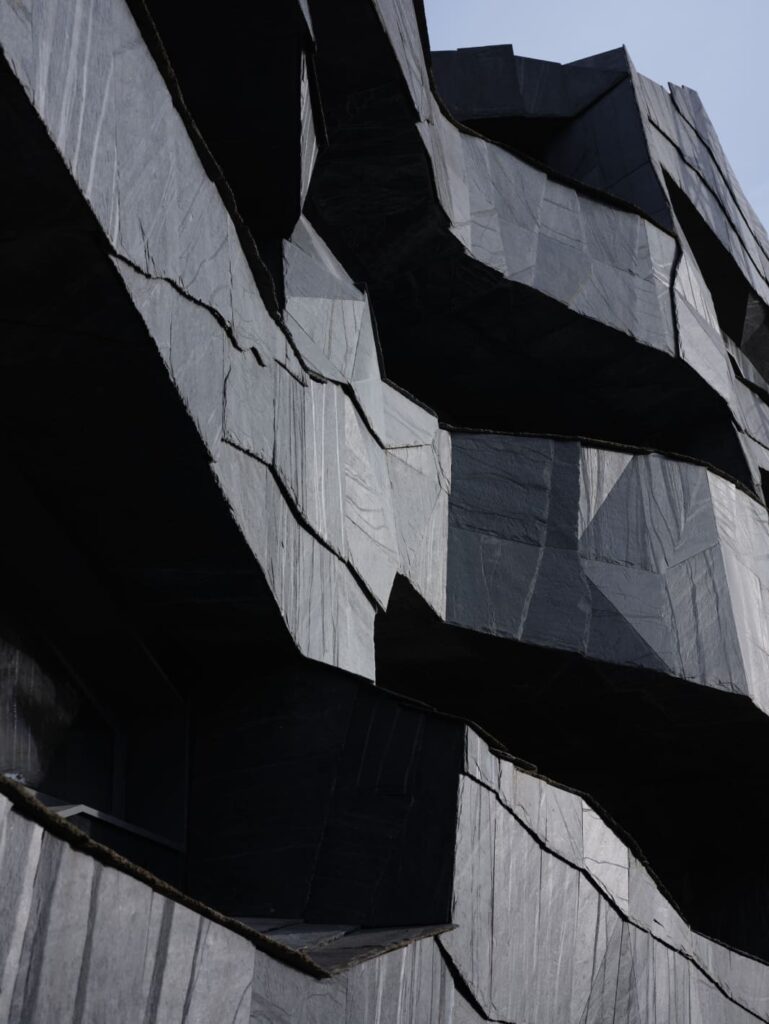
329, 362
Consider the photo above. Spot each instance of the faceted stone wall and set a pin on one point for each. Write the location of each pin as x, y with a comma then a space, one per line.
326, 363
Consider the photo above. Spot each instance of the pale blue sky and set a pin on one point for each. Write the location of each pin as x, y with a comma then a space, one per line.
718, 47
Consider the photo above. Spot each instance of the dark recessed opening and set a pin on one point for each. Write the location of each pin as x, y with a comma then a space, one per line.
726, 284
680, 768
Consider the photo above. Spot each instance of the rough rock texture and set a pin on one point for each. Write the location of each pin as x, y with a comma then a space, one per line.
543, 890
307, 483
327, 361
627, 558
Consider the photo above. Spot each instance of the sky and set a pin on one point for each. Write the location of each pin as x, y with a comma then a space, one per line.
718, 47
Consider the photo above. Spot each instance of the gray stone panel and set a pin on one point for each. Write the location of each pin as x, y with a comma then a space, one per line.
544, 892
86, 941
239, 376
616, 556
594, 924
338, 481
330, 618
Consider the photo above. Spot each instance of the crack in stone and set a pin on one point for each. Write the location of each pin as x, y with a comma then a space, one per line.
215, 313
302, 522
603, 894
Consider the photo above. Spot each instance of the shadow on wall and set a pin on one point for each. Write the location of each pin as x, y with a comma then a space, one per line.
679, 767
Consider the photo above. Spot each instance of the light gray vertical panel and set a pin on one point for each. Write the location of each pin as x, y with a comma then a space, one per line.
399, 20
418, 476
589, 945
702, 347
464, 1013
445, 147
192, 344
558, 913
743, 531
371, 544
78, 97
471, 945
46, 986
20, 845
328, 615
408, 986
220, 983
563, 824
282, 995
249, 404
174, 966
606, 858
171, 221
309, 453
333, 325
111, 979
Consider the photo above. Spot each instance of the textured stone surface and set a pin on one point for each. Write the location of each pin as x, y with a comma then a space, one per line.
632, 559
89, 942
591, 932
227, 298
178, 253
581, 918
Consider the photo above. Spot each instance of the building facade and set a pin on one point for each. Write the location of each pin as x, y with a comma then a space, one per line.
384, 614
